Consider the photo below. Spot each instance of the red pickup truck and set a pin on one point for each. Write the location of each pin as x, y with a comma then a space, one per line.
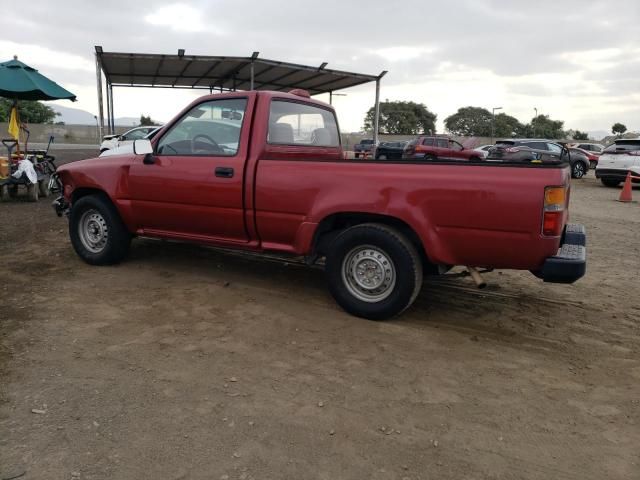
265, 171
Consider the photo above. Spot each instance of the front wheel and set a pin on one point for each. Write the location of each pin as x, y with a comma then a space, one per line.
97, 233
610, 182
578, 170
373, 271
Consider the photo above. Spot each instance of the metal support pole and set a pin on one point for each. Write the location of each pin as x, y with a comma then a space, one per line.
376, 118
108, 92
330, 98
251, 76
99, 85
112, 121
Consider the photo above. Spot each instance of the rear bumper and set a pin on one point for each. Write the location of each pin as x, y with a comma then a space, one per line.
570, 263
617, 173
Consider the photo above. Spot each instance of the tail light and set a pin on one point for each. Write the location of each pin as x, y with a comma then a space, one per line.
555, 204
512, 150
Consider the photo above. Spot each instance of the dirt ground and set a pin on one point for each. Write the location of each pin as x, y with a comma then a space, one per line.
191, 363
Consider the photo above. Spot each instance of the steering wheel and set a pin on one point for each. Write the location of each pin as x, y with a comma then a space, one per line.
216, 147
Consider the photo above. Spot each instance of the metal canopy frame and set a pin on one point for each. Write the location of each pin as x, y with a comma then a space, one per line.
217, 74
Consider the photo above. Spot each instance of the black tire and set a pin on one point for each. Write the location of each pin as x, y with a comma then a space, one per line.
475, 159
103, 230
13, 191
43, 187
360, 244
579, 170
356, 155
430, 158
32, 192
610, 182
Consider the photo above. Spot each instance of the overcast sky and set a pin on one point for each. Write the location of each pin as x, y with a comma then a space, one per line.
578, 61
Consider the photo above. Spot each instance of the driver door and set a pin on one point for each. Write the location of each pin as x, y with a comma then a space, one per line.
194, 185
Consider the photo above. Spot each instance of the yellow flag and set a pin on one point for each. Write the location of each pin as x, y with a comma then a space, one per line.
14, 127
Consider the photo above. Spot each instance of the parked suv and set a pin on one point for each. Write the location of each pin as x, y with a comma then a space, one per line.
539, 151
617, 160
439, 148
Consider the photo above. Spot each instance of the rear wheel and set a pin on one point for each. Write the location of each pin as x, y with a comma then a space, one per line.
578, 170
610, 182
97, 232
430, 158
373, 271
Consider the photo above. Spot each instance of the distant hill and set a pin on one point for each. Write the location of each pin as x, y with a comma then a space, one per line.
76, 116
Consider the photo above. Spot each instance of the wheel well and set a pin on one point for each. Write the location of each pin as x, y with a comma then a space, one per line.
78, 193
330, 227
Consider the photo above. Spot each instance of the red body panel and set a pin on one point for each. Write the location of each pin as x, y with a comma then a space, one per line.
477, 215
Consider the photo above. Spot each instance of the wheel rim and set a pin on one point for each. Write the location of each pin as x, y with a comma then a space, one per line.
578, 170
368, 273
93, 231
382, 157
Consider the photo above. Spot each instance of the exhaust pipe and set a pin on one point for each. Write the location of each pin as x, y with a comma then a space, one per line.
475, 274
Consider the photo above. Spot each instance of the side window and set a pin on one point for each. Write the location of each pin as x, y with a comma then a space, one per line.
429, 142
554, 148
442, 143
210, 128
536, 145
137, 134
293, 123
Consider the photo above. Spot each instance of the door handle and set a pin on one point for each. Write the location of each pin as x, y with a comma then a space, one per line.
224, 172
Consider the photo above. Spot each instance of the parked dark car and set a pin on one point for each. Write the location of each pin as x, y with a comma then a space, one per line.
539, 151
390, 150
364, 148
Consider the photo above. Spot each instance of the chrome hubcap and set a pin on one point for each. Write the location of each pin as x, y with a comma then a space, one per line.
93, 231
369, 273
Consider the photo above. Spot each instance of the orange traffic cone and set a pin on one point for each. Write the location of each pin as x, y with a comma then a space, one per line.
625, 194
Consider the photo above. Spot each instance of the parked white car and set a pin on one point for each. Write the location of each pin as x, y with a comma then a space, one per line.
112, 141
617, 160
483, 150
124, 142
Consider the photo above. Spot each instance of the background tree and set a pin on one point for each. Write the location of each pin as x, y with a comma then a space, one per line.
402, 118
470, 122
543, 127
147, 121
578, 135
508, 126
30, 111
618, 129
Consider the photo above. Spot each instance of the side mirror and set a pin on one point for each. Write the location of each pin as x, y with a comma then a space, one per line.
142, 146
